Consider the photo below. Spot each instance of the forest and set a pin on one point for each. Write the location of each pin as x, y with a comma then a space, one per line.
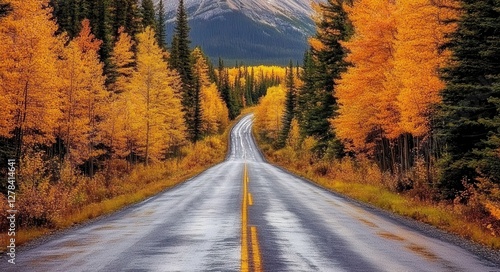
397, 103
98, 112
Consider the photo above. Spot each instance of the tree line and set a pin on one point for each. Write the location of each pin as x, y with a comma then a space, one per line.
404, 84
89, 82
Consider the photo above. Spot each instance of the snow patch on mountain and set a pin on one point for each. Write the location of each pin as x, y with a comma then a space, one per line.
276, 13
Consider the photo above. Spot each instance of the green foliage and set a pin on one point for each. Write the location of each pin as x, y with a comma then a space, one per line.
180, 59
323, 64
290, 106
161, 32
469, 114
127, 14
148, 14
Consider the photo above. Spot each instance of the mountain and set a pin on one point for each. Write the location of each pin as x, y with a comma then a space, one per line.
252, 31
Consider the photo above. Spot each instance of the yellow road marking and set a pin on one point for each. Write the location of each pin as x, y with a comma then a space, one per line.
244, 225
257, 263
254, 241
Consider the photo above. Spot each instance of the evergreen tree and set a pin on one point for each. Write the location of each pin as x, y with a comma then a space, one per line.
304, 100
290, 106
225, 89
327, 58
148, 14
469, 114
180, 59
100, 20
161, 31
126, 14
69, 14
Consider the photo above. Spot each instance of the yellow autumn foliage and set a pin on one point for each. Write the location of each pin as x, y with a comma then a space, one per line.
269, 112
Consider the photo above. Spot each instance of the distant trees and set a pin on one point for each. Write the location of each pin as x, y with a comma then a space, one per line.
270, 113
290, 105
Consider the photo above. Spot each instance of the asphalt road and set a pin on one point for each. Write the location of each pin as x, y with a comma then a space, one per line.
246, 215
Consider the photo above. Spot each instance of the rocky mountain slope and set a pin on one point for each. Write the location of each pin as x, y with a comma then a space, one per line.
252, 31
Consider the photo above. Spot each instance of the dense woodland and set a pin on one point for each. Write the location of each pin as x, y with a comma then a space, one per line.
411, 87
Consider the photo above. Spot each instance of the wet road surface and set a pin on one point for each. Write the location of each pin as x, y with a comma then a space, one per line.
246, 215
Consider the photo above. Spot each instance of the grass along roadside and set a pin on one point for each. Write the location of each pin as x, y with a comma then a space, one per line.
135, 186
363, 184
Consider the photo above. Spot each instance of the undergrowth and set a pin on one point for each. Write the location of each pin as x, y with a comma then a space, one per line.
411, 195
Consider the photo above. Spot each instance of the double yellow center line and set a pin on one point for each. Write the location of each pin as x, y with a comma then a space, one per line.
253, 249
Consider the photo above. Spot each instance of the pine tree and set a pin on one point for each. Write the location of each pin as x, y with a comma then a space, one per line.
180, 60
332, 27
126, 14
104, 32
224, 88
470, 97
161, 30
148, 14
290, 106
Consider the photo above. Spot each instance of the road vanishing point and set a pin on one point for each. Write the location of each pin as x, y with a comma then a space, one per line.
245, 214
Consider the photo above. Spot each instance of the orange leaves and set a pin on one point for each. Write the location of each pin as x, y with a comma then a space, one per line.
359, 90
83, 95
86, 40
29, 82
394, 81
417, 61
316, 44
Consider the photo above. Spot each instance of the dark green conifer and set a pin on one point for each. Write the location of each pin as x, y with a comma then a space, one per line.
148, 14
161, 31
469, 113
290, 106
180, 59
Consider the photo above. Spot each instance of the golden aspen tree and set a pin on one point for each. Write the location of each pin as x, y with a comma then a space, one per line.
29, 82
269, 113
115, 126
83, 97
214, 112
418, 57
157, 120
360, 89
